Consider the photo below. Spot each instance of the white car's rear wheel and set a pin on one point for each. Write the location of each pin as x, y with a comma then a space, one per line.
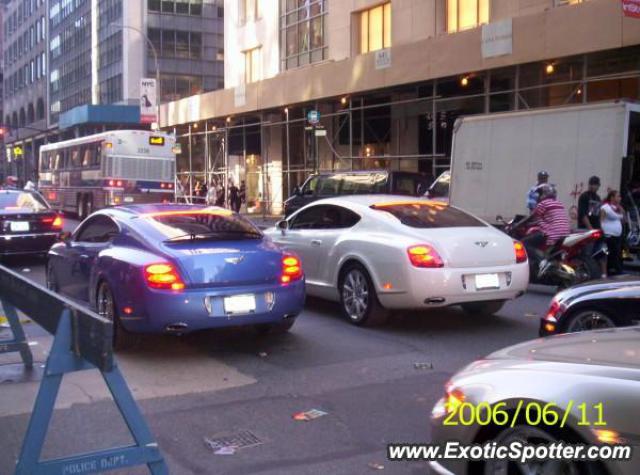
358, 297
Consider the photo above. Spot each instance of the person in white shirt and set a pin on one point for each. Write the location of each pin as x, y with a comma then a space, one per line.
611, 218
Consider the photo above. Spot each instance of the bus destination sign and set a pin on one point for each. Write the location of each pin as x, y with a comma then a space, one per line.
154, 140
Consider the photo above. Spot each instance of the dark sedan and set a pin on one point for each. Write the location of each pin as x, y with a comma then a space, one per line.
600, 304
28, 225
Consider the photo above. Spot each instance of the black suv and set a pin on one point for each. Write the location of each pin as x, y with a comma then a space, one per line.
327, 185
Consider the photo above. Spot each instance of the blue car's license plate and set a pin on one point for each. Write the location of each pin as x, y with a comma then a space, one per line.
240, 304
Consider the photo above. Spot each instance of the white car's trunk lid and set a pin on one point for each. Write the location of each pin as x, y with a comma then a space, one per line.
469, 246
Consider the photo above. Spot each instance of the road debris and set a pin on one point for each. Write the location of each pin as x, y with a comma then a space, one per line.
376, 466
229, 450
423, 366
309, 415
263, 354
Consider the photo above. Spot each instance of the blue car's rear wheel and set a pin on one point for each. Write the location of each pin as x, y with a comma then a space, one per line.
52, 281
106, 306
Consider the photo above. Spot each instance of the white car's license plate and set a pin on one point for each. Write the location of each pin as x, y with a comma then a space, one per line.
487, 281
240, 304
19, 226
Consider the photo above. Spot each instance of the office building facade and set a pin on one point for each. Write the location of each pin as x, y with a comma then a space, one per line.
99, 50
389, 79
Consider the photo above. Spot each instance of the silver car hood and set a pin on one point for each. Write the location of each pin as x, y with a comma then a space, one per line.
614, 353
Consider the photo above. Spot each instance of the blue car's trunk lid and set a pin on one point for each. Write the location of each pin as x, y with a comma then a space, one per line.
215, 263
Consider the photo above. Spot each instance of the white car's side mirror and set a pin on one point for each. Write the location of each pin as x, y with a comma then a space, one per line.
283, 226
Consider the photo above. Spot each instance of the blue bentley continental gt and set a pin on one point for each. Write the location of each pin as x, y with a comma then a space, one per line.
177, 269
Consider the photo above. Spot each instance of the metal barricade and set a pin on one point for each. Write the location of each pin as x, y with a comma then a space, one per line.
82, 341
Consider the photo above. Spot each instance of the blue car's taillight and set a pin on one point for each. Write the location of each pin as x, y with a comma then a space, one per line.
291, 269
163, 276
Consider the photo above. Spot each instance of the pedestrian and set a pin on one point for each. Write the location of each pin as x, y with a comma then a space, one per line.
234, 196
11, 183
212, 193
243, 193
220, 198
196, 191
203, 193
532, 195
589, 204
611, 216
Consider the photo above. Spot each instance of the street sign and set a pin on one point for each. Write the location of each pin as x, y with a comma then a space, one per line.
321, 132
148, 101
313, 117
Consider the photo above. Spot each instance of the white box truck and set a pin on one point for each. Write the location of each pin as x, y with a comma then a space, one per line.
496, 157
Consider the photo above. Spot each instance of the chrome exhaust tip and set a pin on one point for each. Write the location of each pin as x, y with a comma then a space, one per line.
176, 327
435, 300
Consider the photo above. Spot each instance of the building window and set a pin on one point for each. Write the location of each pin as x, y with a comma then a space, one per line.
180, 7
252, 65
249, 10
375, 28
176, 43
465, 14
303, 27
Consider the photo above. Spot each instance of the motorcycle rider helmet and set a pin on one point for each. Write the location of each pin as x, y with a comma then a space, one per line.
546, 191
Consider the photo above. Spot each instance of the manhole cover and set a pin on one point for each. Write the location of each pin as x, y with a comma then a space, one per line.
238, 440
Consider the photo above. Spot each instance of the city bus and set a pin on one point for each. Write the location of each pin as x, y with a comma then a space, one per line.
111, 168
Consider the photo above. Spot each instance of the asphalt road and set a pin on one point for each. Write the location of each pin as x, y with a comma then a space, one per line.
223, 383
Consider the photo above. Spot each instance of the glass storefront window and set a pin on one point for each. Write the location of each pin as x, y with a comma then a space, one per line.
613, 62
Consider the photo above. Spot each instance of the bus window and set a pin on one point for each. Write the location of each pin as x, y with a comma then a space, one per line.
86, 155
44, 162
56, 162
76, 160
97, 154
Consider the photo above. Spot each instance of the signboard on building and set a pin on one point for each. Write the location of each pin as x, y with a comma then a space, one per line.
313, 117
631, 8
497, 38
383, 58
148, 101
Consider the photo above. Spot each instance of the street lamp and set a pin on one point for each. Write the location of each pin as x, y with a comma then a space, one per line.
155, 60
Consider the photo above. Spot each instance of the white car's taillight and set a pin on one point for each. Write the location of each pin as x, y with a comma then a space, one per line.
424, 255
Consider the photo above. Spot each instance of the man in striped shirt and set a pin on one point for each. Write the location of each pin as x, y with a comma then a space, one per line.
550, 216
